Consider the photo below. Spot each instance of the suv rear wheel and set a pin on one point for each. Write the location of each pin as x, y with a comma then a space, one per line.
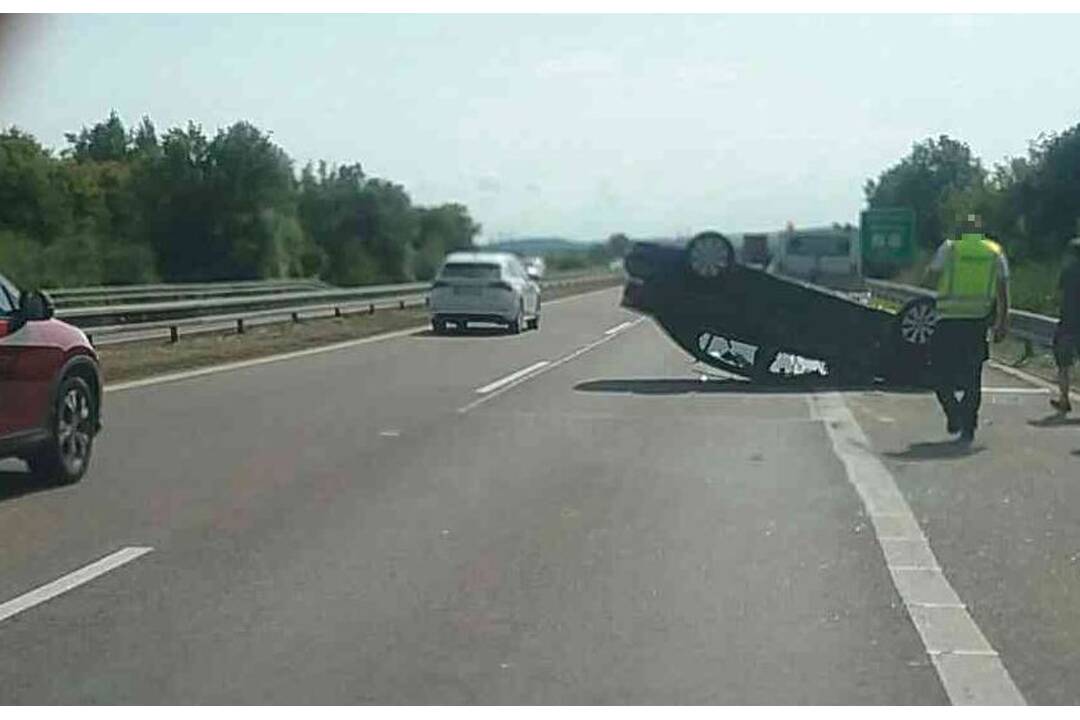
64, 458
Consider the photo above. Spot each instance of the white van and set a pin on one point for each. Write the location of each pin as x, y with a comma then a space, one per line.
829, 256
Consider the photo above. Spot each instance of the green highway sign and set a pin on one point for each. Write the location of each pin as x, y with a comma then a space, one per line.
887, 236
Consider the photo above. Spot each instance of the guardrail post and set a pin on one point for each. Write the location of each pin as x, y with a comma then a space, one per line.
401, 304
239, 326
174, 333
371, 309
296, 317
337, 312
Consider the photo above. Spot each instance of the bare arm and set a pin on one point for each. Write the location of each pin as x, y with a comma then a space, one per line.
937, 266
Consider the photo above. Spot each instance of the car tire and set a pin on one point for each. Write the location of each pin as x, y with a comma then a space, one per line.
709, 255
917, 322
515, 325
534, 323
915, 326
65, 457
438, 327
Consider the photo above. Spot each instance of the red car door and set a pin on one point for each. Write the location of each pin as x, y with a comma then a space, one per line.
8, 422
29, 360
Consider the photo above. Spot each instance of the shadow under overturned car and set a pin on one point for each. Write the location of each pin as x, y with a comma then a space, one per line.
691, 386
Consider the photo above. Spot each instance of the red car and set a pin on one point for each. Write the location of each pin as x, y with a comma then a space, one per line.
50, 388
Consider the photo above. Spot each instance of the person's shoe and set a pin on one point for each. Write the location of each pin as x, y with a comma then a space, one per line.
967, 436
1062, 406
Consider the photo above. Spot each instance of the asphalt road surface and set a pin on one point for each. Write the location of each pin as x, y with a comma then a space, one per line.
566, 516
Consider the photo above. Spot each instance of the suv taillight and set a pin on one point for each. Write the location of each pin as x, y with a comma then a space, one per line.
5, 327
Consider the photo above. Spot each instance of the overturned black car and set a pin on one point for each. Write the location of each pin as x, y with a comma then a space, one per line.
749, 322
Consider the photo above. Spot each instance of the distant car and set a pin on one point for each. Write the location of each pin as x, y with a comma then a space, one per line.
484, 287
50, 388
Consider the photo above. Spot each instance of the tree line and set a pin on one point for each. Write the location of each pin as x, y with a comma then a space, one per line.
1031, 204
122, 206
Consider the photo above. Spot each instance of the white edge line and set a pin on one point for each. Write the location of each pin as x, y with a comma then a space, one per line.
510, 378
1029, 378
861, 465
70, 581
214, 369
226, 367
1016, 390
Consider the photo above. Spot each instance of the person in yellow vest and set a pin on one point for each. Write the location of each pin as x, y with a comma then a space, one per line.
972, 276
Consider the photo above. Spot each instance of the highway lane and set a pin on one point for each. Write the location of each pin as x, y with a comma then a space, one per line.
609, 529
1004, 520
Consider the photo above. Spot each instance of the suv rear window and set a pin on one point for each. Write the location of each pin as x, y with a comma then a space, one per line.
472, 271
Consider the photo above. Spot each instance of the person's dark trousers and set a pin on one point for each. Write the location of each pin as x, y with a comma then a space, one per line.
957, 355
962, 411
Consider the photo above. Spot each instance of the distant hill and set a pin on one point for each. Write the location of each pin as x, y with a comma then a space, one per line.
540, 246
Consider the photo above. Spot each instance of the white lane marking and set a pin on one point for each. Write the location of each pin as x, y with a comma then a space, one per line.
226, 367
390, 433
969, 668
71, 581
579, 296
618, 328
491, 386
1015, 390
550, 366
1048, 385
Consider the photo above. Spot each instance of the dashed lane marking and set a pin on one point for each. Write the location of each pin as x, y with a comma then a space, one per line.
70, 581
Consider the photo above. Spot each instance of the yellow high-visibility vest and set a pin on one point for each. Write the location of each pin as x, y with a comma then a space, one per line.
968, 283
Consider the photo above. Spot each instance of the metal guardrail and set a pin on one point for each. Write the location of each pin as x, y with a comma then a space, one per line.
239, 314
165, 288
127, 297
143, 312
1032, 328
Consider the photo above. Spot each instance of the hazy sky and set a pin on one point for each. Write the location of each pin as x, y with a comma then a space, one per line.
571, 125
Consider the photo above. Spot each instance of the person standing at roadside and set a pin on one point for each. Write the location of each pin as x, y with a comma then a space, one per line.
1067, 333
973, 294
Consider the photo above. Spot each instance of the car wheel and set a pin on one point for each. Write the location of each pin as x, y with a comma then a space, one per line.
514, 327
534, 323
709, 255
917, 322
66, 456
438, 327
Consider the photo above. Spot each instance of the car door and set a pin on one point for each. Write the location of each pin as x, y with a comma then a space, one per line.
29, 361
9, 420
